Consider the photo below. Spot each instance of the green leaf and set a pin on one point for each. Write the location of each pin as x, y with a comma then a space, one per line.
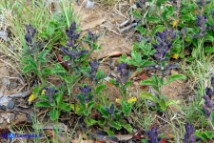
102, 110
126, 108
158, 28
65, 107
42, 56
146, 63
100, 75
44, 98
30, 66
90, 105
43, 104
58, 97
162, 104
144, 141
168, 12
209, 38
209, 50
58, 69
90, 122
136, 14
50, 30
204, 135
141, 29
212, 117
172, 102
109, 131
128, 83
46, 71
128, 127
148, 82
160, 2
153, 19
100, 88
136, 56
174, 78
115, 125
54, 114
149, 96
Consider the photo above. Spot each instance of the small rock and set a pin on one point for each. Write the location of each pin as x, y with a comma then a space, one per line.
4, 35
1, 120
29, 118
8, 116
6, 81
11, 105
4, 100
89, 4
2, 107
13, 85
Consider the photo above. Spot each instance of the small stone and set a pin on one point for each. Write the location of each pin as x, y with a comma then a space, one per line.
6, 81
11, 105
29, 118
89, 4
1, 120
13, 85
2, 107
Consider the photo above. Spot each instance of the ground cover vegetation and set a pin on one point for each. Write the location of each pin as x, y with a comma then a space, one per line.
54, 58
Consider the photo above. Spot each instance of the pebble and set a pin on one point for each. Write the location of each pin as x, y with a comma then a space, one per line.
2, 107
6, 81
11, 105
29, 118
89, 4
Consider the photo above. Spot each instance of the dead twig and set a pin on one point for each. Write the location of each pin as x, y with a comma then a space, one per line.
21, 94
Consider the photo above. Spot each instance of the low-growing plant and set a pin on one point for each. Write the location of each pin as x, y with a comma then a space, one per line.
159, 47
65, 79
70, 67
140, 55
204, 135
189, 136
156, 15
53, 99
112, 115
208, 106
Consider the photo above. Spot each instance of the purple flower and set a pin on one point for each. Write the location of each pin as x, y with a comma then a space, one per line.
110, 109
184, 32
85, 91
123, 73
206, 110
208, 106
94, 66
163, 43
71, 32
30, 33
141, 3
70, 43
73, 54
208, 101
72, 35
92, 37
200, 21
50, 92
212, 13
153, 135
202, 3
209, 92
212, 82
201, 24
189, 136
